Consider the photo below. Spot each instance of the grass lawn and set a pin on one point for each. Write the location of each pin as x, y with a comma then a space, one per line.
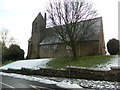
84, 61
6, 62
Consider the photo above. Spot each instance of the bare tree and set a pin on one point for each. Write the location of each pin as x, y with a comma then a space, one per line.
65, 17
5, 38
5, 41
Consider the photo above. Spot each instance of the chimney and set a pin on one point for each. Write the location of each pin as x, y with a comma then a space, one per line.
45, 19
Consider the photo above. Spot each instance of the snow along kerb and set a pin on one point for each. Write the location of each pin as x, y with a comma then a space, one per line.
73, 72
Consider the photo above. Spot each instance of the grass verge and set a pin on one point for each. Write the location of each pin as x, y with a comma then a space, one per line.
84, 61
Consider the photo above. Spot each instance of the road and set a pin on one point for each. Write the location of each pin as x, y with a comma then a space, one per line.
16, 83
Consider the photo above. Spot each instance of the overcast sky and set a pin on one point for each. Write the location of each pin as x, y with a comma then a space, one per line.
17, 16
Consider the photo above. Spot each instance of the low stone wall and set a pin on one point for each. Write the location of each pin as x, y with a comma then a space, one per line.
73, 72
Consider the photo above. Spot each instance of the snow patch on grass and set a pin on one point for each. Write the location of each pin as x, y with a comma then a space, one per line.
41, 63
114, 62
30, 64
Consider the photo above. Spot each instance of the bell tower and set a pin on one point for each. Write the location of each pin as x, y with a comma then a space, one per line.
38, 34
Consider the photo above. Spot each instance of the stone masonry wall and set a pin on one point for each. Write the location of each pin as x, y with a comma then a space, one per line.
72, 72
85, 48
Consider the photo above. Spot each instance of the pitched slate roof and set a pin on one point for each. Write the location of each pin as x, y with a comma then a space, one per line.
91, 33
50, 38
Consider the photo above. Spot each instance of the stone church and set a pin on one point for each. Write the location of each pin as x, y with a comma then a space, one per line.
43, 43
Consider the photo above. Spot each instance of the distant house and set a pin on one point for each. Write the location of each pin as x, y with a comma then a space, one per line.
45, 44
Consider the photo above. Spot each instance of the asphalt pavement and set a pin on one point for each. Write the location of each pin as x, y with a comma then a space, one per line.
9, 83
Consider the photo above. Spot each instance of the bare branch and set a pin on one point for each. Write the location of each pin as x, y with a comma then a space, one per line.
5, 38
66, 17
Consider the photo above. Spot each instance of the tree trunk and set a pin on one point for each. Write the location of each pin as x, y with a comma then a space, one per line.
74, 54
